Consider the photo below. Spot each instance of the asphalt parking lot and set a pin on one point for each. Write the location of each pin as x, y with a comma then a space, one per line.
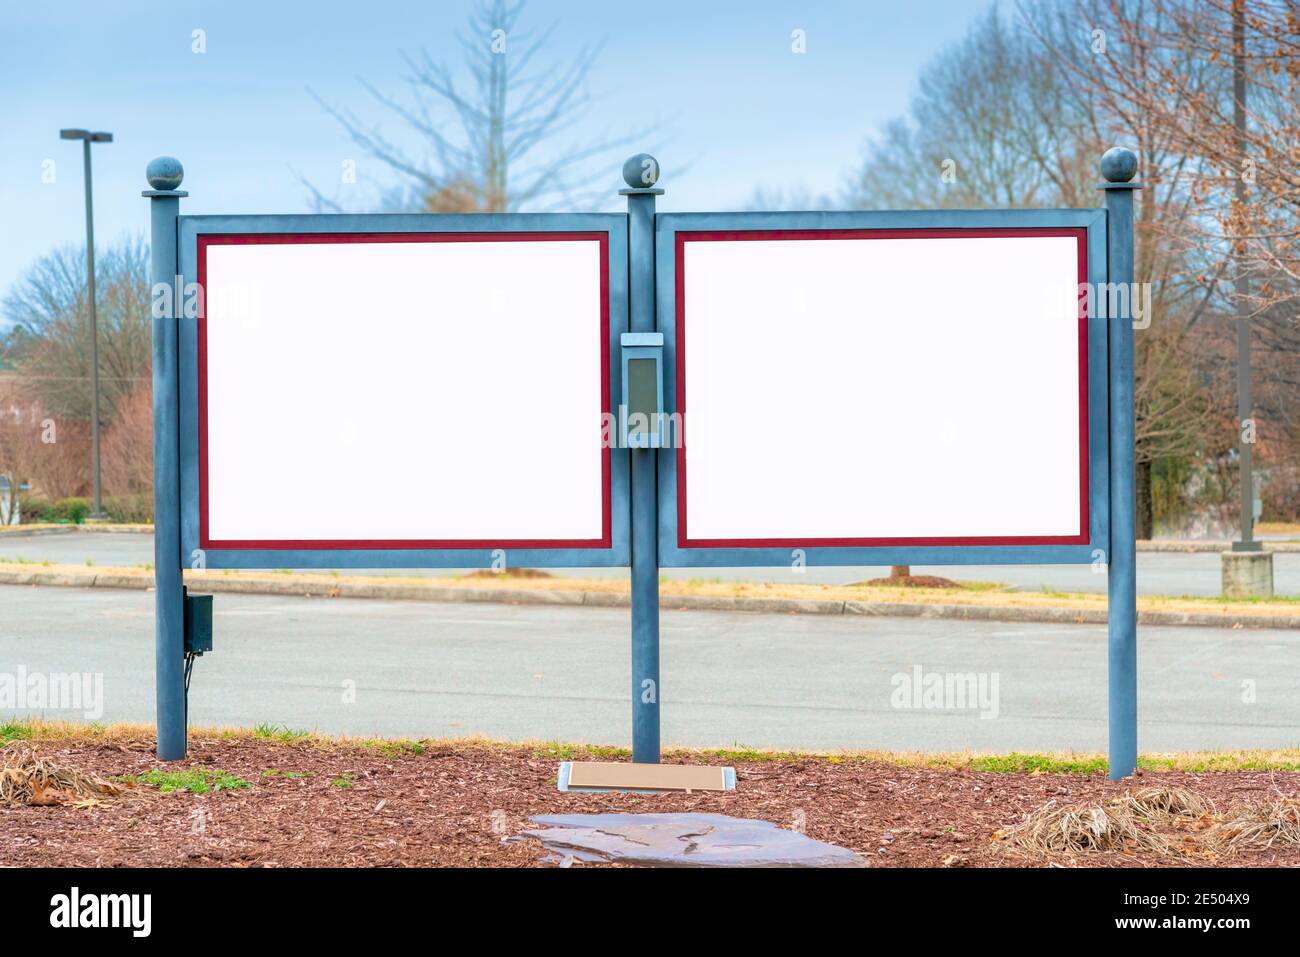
370, 667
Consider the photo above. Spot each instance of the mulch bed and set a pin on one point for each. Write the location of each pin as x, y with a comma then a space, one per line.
910, 581
454, 806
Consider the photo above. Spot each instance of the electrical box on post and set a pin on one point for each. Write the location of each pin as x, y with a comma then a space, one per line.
198, 624
641, 415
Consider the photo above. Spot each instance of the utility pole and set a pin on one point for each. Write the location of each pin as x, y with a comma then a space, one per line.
87, 137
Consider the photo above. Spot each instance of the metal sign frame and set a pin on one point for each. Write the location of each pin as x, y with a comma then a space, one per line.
672, 229
195, 232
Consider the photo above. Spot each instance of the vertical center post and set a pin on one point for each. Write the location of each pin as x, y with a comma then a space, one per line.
641, 172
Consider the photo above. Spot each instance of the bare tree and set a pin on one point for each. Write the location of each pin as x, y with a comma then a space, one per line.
1219, 217
45, 413
17, 426
52, 454
991, 125
49, 339
1189, 41
1016, 115
487, 145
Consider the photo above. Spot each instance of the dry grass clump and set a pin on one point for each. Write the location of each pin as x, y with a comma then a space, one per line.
1170, 802
1163, 821
1081, 827
1124, 823
1260, 825
28, 779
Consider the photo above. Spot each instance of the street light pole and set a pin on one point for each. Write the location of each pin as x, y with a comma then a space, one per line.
1247, 568
87, 138
1245, 407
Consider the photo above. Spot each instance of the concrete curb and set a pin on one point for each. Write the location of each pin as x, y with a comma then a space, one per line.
393, 591
1212, 547
32, 531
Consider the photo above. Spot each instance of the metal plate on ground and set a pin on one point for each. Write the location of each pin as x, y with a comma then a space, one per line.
683, 840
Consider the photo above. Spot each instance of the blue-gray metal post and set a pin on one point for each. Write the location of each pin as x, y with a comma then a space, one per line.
1118, 167
641, 172
165, 175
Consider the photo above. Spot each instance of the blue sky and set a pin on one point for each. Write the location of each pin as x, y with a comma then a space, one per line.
731, 102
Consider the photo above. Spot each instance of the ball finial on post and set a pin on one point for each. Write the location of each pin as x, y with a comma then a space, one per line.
165, 173
1119, 165
641, 171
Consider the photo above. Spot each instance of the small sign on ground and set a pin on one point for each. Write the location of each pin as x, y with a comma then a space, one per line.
621, 776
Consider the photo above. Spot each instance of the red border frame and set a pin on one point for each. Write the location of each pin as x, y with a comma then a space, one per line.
256, 239
683, 237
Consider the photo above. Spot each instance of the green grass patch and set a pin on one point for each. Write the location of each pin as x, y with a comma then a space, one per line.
1016, 763
1194, 762
741, 754
345, 781
280, 733
15, 731
560, 751
1201, 599
1248, 600
1219, 761
1053, 593
194, 780
392, 748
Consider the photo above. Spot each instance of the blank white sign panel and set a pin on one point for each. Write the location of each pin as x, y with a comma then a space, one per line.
860, 391
441, 392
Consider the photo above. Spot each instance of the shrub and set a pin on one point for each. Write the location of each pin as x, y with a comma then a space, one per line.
126, 509
72, 510
129, 509
34, 510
